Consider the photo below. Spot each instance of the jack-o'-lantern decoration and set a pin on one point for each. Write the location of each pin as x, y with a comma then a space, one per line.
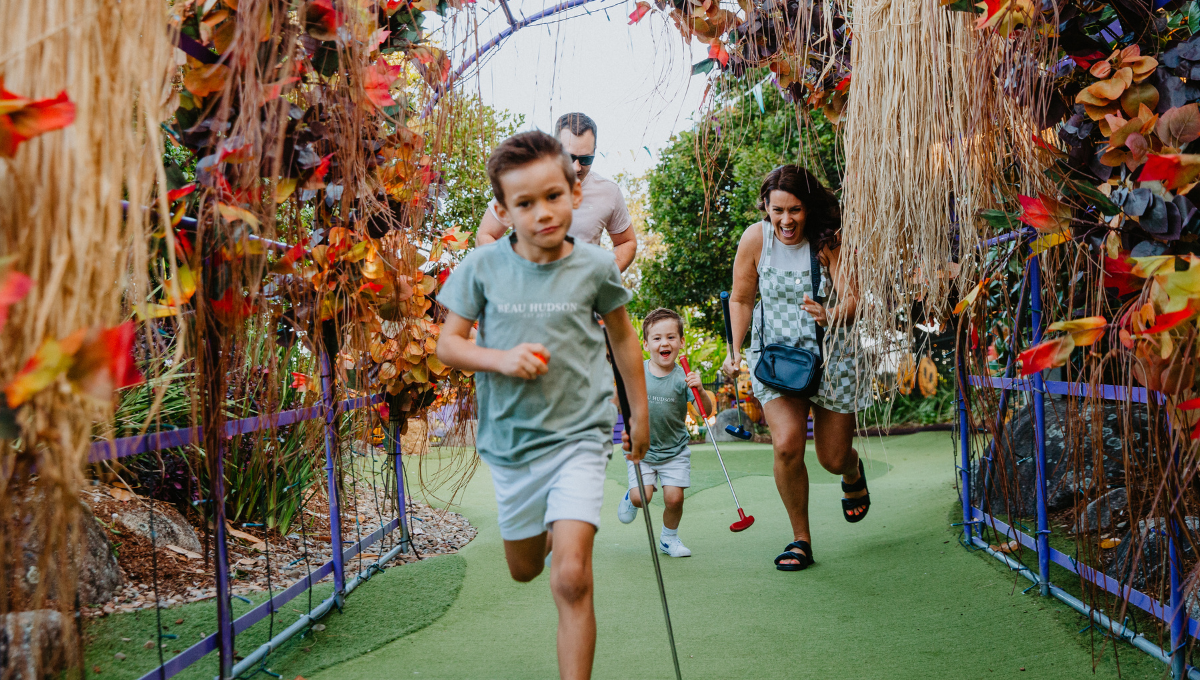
927, 376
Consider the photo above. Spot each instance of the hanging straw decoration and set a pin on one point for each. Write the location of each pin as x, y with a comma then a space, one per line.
922, 156
63, 226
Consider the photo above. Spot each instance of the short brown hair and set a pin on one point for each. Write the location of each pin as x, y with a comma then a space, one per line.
577, 123
658, 315
521, 150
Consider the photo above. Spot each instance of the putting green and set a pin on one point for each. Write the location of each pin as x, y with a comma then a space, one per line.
893, 596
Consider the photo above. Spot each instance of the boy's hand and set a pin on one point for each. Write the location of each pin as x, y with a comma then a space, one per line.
527, 360
636, 452
693, 380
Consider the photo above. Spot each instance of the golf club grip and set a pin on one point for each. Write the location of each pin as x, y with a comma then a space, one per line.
728, 324
622, 398
695, 392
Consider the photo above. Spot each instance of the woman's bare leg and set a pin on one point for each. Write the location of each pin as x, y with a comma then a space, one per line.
787, 418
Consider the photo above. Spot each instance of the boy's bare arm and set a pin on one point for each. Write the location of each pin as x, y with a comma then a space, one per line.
627, 353
527, 360
693, 380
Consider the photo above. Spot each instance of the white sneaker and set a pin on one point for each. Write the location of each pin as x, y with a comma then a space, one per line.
626, 511
673, 547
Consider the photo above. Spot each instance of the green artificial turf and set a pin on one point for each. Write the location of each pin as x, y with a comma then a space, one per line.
392, 604
894, 596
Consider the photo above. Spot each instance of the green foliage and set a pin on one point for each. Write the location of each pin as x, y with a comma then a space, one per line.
700, 209
475, 129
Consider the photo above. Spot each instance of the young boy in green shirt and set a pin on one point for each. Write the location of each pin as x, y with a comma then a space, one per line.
543, 385
669, 460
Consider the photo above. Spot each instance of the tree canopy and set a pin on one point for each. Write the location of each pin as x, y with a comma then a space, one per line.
702, 194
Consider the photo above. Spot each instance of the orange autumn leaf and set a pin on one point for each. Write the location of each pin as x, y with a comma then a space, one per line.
1084, 331
456, 238
14, 287
300, 381
969, 298
321, 20
640, 11
1044, 213
23, 119
51, 360
176, 194
287, 263
1049, 354
232, 307
717, 51
204, 80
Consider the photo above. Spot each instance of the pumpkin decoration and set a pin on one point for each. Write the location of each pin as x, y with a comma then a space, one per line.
927, 376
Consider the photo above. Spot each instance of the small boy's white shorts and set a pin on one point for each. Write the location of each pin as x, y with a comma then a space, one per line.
676, 471
564, 484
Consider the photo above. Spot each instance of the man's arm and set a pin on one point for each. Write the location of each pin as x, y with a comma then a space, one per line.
490, 229
627, 354
624, 247
456, 349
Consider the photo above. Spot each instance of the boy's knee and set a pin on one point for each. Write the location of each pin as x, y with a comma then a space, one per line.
674, 501
571, 583
524, 573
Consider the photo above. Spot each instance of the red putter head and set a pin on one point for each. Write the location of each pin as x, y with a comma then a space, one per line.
743, 523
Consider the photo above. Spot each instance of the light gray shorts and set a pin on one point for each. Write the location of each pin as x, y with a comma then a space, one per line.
564, 484
676, 471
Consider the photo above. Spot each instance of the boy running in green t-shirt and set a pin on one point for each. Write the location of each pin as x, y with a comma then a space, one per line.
543, 385
669, 460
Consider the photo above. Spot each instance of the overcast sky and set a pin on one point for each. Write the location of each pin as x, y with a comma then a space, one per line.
635, 81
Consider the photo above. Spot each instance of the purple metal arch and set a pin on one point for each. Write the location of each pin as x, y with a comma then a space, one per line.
513, 27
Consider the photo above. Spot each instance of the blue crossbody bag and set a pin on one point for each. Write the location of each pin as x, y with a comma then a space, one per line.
790, 369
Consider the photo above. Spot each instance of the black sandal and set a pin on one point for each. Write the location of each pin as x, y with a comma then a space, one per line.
805, 558
851, 504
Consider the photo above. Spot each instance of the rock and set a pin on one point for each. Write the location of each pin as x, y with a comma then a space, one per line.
96, 567
29, 644
169, 526
1151, 539
1011, 485
1099, 513
730, 417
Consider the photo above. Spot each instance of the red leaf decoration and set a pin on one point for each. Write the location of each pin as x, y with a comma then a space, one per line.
1165, 322
23, 119
233, 307
1044, 213
176, 194
1119, 274
1189, 405
1049, 354
642, 9
14, 287
121, 366
377, 81
717, 51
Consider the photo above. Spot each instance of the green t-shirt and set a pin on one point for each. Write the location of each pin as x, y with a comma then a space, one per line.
668, 398
517, 301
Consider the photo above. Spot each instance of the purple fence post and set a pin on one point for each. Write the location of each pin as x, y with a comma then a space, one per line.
1039, 417
1178, 608
964, 442
394, 420
335, 514
221, 559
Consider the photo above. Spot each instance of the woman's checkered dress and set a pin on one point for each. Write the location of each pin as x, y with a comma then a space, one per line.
782, 319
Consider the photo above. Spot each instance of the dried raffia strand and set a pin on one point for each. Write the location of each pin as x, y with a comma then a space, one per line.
921, 151
62, 220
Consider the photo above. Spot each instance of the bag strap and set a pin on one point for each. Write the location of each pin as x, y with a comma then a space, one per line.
815, 271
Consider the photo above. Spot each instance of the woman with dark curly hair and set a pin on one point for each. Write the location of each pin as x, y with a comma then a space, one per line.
775, 259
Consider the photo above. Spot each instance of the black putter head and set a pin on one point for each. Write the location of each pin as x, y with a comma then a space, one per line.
739, 432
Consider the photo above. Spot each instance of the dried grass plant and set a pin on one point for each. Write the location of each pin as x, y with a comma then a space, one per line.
925, 144
62, 221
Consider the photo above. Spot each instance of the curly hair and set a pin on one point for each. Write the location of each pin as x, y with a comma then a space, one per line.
823, 215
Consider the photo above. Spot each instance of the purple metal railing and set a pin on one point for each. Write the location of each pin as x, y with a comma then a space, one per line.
228, 628
1175, 615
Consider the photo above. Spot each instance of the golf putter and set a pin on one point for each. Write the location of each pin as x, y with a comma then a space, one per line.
623, 400
744, 521
740, 430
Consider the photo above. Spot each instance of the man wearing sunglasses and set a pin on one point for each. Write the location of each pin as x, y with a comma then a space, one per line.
603, 206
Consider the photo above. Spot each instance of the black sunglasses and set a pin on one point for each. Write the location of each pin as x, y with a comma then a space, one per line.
584, 160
